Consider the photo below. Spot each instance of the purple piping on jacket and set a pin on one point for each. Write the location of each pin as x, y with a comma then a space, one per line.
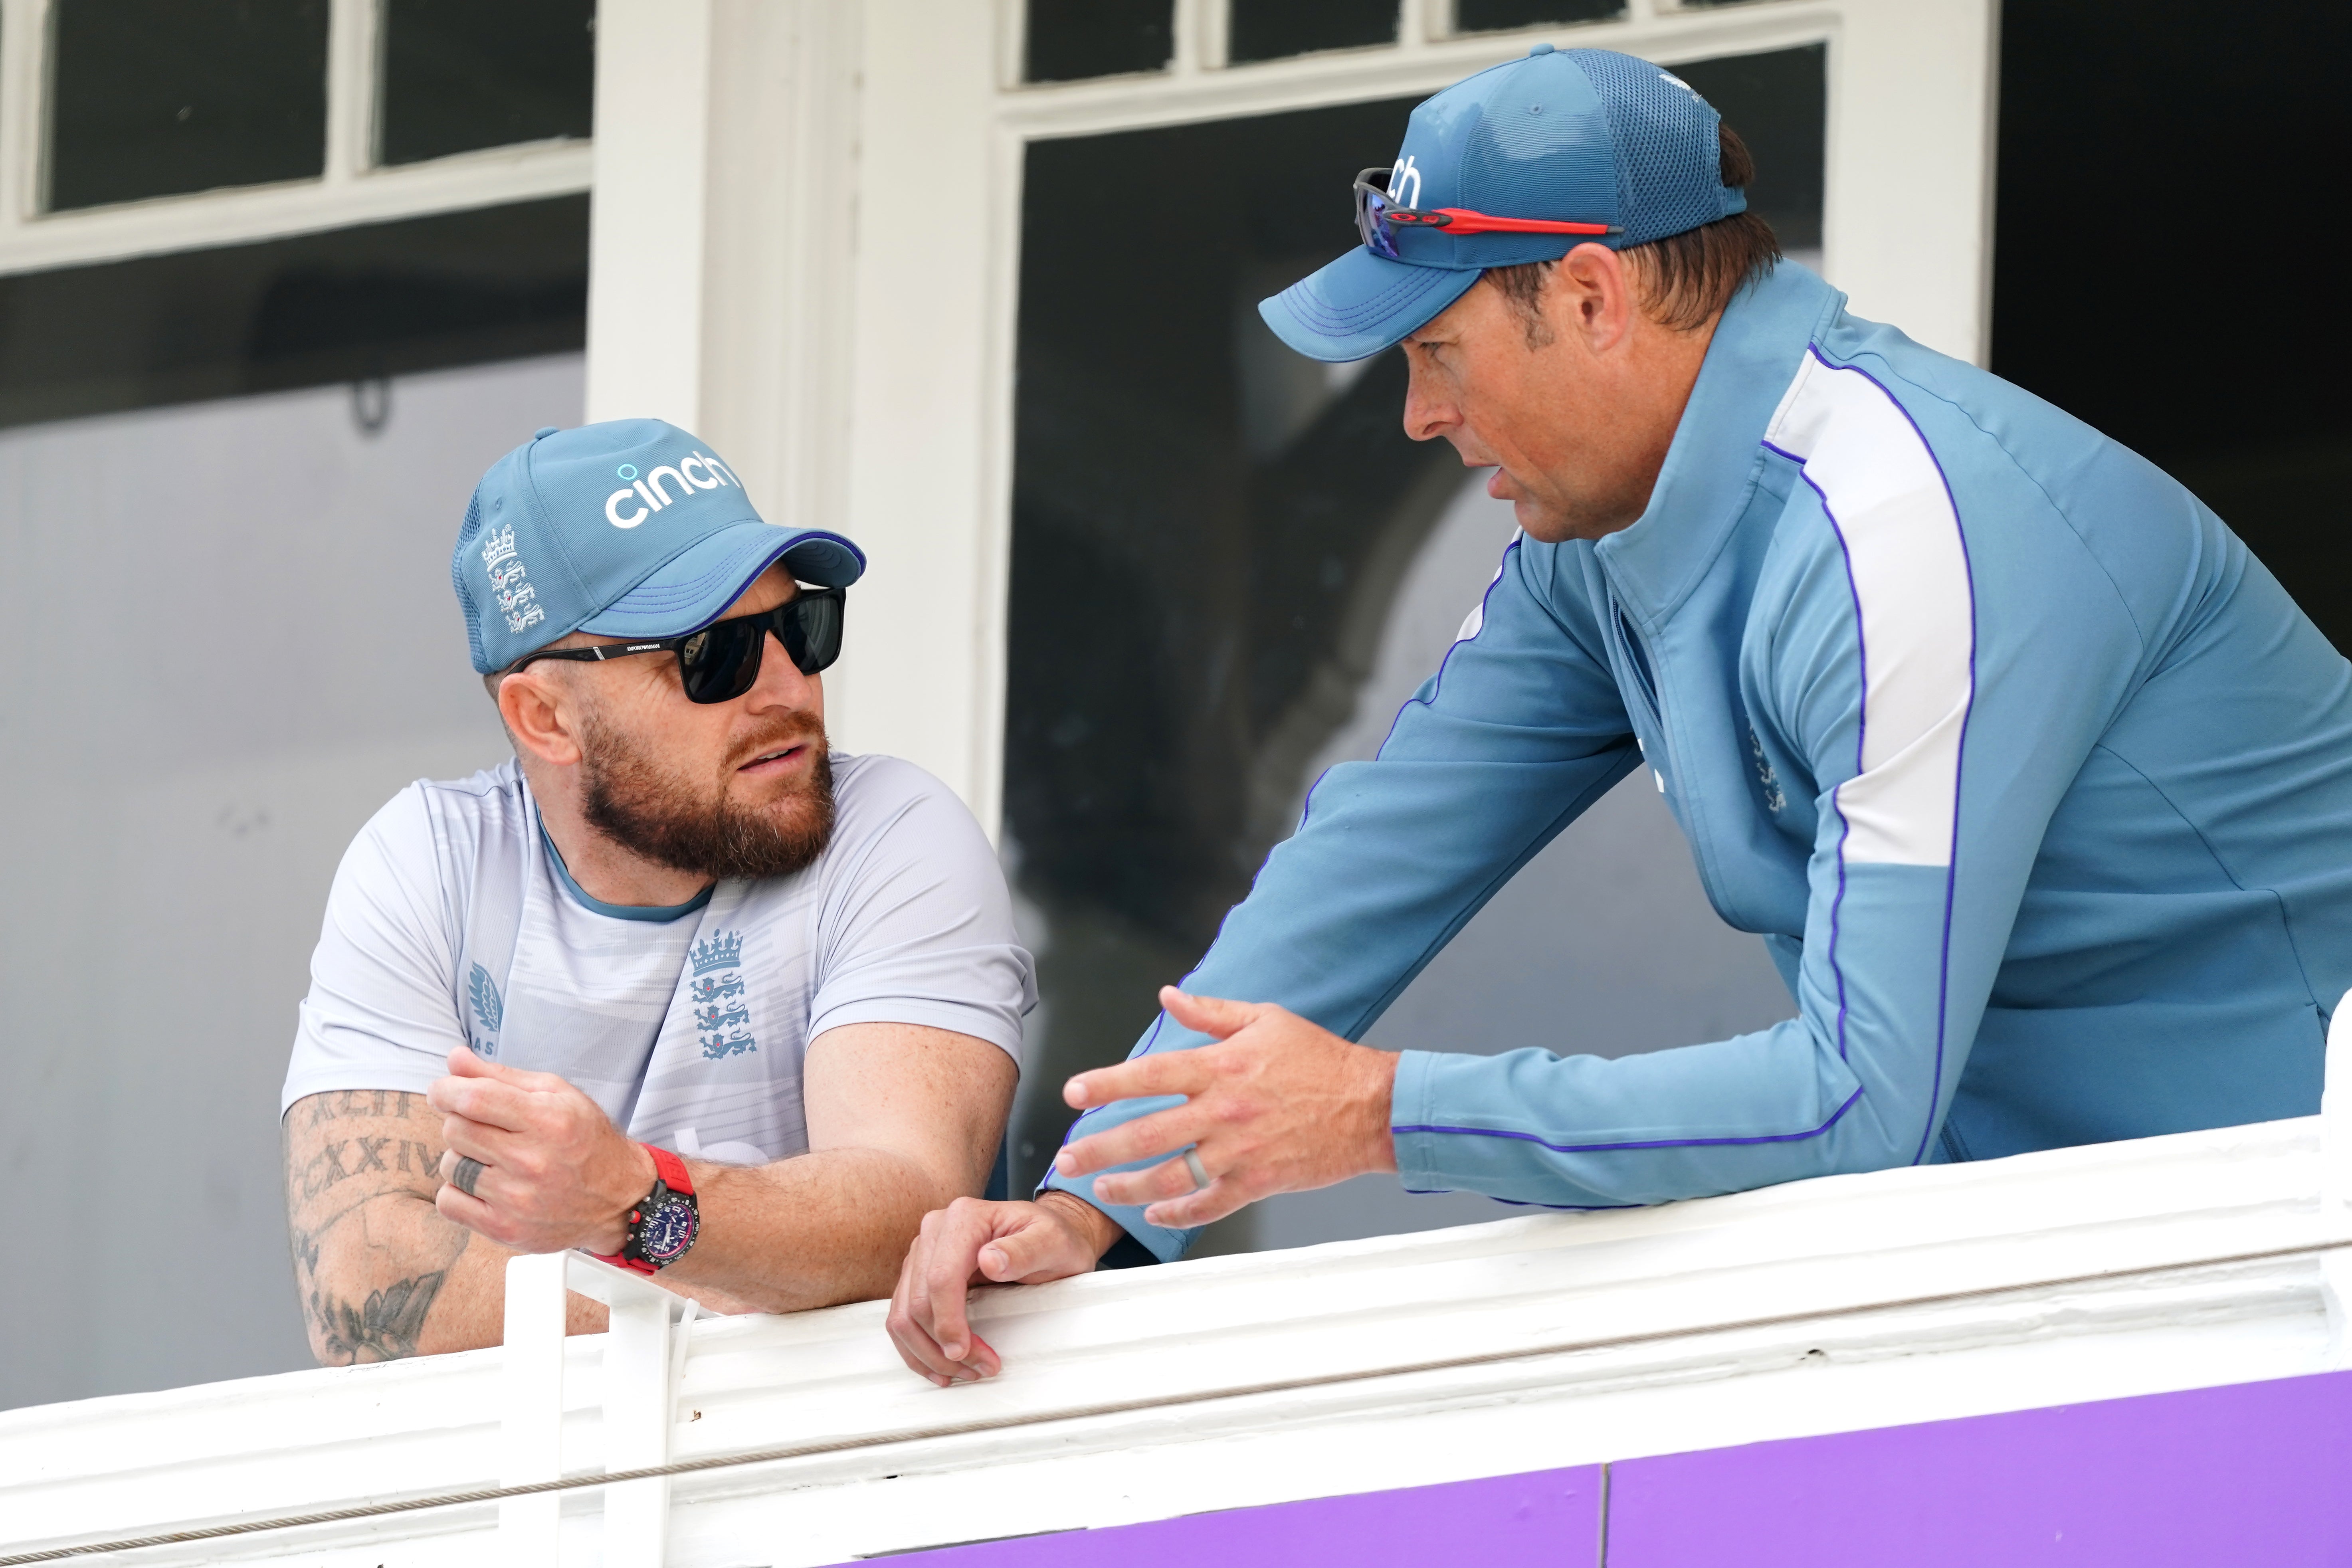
1523, 1202
1960, 753
1526, 1203
1656, 1143
1860, 734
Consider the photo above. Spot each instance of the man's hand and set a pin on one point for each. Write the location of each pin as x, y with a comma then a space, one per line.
969, 1242
559, 1173
1278, 1106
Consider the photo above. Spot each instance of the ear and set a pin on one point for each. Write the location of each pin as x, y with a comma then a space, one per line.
1591, 298
541, 712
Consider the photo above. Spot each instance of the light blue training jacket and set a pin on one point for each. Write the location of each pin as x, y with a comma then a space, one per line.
2035, 783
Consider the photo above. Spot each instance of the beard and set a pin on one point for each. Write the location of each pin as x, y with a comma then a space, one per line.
652, 811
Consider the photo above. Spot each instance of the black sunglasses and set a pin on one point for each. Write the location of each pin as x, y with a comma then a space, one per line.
719, 663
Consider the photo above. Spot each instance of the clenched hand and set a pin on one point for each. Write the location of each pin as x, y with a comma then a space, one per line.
560, 1175
974, 1242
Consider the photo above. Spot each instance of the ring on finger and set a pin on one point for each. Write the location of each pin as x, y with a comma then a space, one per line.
1192, 1164
468, 1171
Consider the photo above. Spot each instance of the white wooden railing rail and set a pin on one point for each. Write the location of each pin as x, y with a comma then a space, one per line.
1853, 1301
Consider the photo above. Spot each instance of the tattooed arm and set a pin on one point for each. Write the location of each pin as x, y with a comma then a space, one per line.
380, 1273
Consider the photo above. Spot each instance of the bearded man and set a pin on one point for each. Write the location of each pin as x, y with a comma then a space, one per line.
677, 986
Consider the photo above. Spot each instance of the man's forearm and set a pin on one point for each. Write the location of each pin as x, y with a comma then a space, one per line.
382, 1276
812, 1231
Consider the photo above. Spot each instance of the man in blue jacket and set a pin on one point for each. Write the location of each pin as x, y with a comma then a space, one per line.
2036, 785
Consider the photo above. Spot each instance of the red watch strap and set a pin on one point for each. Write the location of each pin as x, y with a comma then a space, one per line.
671, 1169
673, 1173
634, 1265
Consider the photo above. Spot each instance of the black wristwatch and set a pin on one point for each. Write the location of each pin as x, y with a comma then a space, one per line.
666, 1222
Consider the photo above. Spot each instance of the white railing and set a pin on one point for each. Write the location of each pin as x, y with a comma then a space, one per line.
1851, 1303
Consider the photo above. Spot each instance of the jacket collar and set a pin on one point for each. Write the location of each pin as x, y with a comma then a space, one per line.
1716, 456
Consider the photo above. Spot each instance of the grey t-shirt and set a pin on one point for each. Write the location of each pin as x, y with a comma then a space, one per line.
452, 918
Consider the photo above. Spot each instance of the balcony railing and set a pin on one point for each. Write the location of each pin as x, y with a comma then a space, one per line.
1536, 1343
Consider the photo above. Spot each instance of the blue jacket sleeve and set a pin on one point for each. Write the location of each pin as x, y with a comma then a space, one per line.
1520, 729
1931, 694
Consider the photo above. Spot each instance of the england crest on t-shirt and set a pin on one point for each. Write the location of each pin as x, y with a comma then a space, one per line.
722, 1011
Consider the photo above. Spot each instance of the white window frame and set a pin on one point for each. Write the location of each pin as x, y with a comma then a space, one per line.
351, 189
945, 121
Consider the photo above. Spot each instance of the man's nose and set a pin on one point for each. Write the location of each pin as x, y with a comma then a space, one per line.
780, 681
1426, 415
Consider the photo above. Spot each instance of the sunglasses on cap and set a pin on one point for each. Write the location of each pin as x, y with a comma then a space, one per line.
1376, 218
719, 663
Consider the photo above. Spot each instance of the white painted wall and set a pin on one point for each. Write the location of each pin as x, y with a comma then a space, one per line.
232, 638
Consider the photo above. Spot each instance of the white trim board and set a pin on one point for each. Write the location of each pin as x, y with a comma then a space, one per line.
350, 190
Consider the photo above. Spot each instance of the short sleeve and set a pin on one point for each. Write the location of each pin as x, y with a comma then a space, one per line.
916, 925
380, 1013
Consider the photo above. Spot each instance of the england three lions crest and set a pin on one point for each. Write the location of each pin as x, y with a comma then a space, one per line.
722, 1012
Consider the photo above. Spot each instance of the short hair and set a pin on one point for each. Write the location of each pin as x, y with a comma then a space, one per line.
1685, 279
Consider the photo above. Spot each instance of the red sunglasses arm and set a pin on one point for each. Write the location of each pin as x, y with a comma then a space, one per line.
1465, 221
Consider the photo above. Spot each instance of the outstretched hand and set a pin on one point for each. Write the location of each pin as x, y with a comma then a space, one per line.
557, 1173
1279, 1105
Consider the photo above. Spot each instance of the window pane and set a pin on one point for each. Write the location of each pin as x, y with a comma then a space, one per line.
152, 98
1270, 29
459, 74
1494, 15
385, 299
1778, 103
1198, 514
1071, 40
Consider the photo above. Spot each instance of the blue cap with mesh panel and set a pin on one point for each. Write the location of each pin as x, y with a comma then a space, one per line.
1567, 135
630, 527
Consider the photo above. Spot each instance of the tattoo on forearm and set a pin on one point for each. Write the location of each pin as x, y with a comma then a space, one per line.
353, 1104
328, 1166
382, 1181
386, 1328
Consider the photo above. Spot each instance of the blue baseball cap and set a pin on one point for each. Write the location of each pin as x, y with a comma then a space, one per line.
1583, 136
630, 527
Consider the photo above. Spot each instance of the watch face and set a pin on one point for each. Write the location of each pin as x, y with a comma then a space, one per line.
666, 1230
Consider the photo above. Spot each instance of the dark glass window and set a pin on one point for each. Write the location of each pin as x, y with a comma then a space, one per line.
153, 97
1778, 103
1271, 29
356, 303
1494, 15
1071, 39
1199, 518
2134, 133
460, 74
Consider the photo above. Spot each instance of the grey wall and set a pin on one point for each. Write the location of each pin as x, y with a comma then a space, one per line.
1603, 943
231, 638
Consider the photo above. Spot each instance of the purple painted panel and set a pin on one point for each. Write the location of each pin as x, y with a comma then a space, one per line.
1548, 1518
2256, 1473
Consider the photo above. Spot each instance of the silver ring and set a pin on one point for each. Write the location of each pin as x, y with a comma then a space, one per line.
469, 1170
1192, 1164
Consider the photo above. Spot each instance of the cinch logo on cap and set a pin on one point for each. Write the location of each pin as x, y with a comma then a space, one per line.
1404, 183
651, 488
